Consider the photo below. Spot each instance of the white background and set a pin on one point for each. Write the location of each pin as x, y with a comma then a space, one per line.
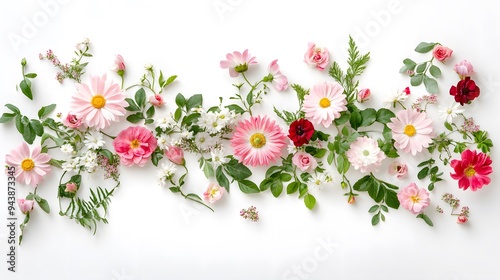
154, 234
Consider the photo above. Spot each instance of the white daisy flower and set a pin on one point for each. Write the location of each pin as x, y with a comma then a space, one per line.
204, 141
93, 140
448, 113
218, 157
67, 149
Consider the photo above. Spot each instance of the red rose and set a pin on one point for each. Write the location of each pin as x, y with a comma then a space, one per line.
465, 91
300, 132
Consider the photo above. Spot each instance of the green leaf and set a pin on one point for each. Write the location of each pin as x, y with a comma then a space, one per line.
416, 80
221, 178
285, 177
355, 120
208, 169
309, 201
108, 154
29, 134
374, 208
37, 127
375, 219
424, 47
45, 110
30, 75
170, 80
140, 98
266, 184
272, 170
448, 126
19, 123
177, 114
236, 109
363, 184
292, 187
135, 118
25, 86
13, 108
408, 65
368, 116
421, 68
131, 105
384, 115
391, 199
344, 117
43, 204
435, 71
6, 117
180, 100
431, 85
190, 119
276, 188
247, 186
426, 219
423, 173
150, 112
194, 102
237, 170
250, 98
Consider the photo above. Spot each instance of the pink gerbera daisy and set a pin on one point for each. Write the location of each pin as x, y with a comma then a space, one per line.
237, 62
414, 198
472, 170
98, 104
324, 103
258, 141
411, 130
31, 166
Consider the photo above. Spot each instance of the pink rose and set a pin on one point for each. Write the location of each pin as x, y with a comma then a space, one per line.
25, 205
135, 145
156, 100
399, 169
441, 53
279, 81
316, 57
304, 161
72, 121
213, 193
363, 95
119, 65
71, 187
175, 154
464, 69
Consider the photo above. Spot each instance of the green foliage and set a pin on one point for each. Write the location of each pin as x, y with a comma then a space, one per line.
424, 72
26, 83
429, 169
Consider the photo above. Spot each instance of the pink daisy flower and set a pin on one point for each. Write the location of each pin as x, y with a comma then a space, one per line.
365, 155
324, 103
31, 166
414, 199
258, 141
237, 62
472, 170
411, 130
98, 104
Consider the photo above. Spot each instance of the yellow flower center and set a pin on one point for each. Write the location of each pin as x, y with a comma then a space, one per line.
366, 153
27, 164
469, 171
98, 101
213, 192
257, 140
324, 102
410, 130
135, 144
415, 199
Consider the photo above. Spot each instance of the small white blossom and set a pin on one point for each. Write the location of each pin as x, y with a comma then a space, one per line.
316, 180
163, 141
166, 172
448, 113
93, 140
218, 157
67, 149
391, 99
204, 141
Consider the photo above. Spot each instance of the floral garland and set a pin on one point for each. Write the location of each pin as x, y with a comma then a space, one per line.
331, 130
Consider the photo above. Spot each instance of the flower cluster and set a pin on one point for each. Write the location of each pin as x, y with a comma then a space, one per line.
334, 137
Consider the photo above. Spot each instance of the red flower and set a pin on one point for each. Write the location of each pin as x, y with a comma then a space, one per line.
465, 91
300, 132
472, 171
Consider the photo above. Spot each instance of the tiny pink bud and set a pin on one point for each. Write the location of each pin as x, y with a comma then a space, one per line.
71, 187
352, 199
363, 95
462, 219
156, 100
25, 205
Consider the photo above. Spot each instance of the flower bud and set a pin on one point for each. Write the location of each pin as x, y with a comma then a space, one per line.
25, 205
462, 219
363, 95
352, 199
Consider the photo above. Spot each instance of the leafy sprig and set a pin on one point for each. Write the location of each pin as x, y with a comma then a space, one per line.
26, 83
419, 72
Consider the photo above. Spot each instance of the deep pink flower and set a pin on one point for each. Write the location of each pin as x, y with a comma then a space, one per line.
441, 53
25, 205
363, 95
72, 121
464, 69
237, 62
300, 132
279, 81
472, 170
31, 166
258, 141
411, 130
407, 90
304, 161
175, 154
414, 199
156, 100
465, 91
98, 104
135, 145
316, 56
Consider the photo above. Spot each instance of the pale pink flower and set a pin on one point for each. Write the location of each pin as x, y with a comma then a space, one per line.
363, 95
31, 166
72, 121
414, 199
441, 53
175, 154
324, 103
316, 56
365, 155
464, 69
98, 104
258, 141
213, 193
399, 169
119, 65
135, 145
304, 161
71, 187
279, 81
237, 62
156, 100
411, 130
25, 205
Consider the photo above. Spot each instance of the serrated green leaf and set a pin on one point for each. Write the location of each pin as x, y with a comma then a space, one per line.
309, 201
247, 186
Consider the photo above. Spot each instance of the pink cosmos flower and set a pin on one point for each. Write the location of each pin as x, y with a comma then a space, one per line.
324, 103
258, 141
213, 193
363, 95
72, 121
414, 199
119, 65
472, 170
98, 104
25, 205
365, 155
237, 62
399, 169
304, 161
411, 130
464, 69
156, 100
316, 56
441, 53
31, 166
280, 81
175, 154
135, 145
